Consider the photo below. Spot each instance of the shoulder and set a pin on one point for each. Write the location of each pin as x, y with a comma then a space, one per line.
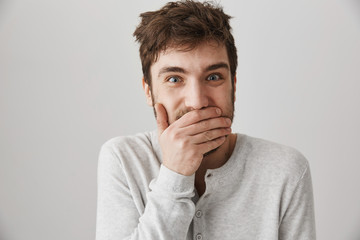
274, 159
132, 146
127, 142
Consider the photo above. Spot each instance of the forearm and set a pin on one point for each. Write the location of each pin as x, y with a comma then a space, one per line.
167, 215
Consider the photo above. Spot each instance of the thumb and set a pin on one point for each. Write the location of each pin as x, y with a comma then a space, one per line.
161, 118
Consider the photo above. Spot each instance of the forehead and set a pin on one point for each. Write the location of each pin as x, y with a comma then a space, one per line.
194, 60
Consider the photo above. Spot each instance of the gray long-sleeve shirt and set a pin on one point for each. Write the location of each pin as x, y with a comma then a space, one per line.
263, 191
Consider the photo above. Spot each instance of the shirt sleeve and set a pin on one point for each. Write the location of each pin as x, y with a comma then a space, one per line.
167, 214
298, 222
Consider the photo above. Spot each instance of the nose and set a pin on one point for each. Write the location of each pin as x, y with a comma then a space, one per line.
195, 95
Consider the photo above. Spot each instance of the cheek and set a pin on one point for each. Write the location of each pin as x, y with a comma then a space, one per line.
223, 95
171, 103
226, 101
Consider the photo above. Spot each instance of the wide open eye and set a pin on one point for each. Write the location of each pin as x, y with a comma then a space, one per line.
174, 79
213, 77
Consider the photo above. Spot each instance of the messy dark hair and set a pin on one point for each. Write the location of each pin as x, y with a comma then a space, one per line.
183, 24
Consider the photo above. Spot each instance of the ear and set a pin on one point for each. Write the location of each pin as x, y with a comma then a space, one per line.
147, 91
235, 87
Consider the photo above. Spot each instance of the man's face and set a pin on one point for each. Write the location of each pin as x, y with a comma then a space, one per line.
183, 81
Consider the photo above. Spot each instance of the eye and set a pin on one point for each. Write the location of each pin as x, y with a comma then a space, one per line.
173, 79
213, 77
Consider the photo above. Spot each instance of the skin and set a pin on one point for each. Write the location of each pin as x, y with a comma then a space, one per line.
192, 95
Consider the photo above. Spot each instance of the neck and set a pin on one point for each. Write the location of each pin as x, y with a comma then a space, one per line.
214, 160
220, 156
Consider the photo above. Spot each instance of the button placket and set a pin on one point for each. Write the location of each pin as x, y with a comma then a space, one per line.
198, 216
198, 213
199, 236
198, 224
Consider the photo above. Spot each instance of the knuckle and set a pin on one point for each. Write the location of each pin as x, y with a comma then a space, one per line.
197, 115
173, 136
210, 146
208, 135
216, 142
185, 142
204, 124
182, 145
224, 121
224, 131
219, 133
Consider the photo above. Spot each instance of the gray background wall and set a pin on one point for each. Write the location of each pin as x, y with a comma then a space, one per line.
70, 78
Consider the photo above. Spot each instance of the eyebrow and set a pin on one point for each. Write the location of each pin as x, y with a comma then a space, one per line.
217, 66
181, 70
171, 69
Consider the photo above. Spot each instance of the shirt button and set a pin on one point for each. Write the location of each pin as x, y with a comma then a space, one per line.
198, 236
198, 213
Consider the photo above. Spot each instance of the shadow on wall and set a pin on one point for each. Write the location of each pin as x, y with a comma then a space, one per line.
2, 4
356, 6
357, 236
2, 234
356, 232
2, 8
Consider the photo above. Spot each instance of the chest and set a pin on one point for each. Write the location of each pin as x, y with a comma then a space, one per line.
234, 218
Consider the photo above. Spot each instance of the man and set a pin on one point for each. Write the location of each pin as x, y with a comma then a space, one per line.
193, 178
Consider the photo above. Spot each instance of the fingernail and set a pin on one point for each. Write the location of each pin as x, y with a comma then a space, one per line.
228, 121
218, 111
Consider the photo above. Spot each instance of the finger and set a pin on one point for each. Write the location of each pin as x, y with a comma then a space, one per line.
210, 135
198, 115
211, 145
161, 118
206, 125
